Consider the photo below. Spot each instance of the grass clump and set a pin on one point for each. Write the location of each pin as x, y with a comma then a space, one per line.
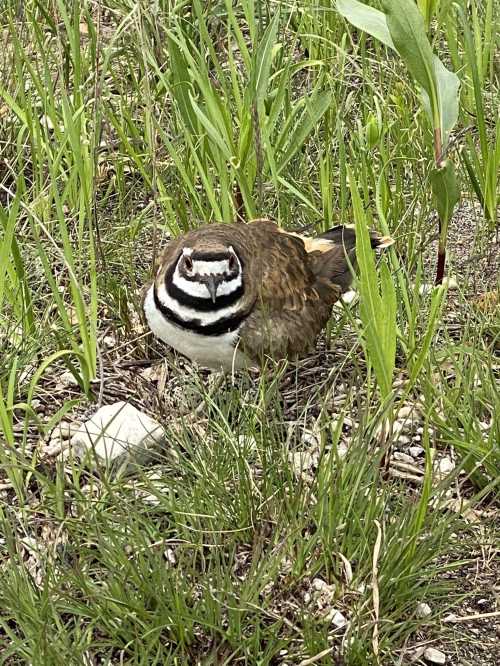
291, 523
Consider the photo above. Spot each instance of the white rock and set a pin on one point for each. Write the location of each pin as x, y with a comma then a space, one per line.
67, 379
55, 447
247, 442
310, 438
435, 656
109, 341
342, 449
451, 617
416, 451
402, 457
397, 428
320, 585
169, 555
446, 465
425, 289
47, 121
423, 610
63, 430
117, 433
405, 412
337, 618
450, 282
302, 461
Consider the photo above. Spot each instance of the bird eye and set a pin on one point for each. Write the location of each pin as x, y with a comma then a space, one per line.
232, 262
188, 263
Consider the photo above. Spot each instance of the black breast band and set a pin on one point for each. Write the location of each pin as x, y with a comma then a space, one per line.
224, 325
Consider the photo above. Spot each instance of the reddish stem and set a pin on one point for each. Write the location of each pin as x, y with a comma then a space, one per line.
441, 259
440, 266
438, 147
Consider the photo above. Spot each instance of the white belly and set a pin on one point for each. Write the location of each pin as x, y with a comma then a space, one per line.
210, 351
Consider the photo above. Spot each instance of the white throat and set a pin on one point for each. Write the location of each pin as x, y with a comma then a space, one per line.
211, 351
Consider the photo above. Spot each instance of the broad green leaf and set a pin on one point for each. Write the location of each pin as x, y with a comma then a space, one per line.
402, 29
366, 18
448, 85
407, 29
445, 190
428, 9
491, 179
245, 137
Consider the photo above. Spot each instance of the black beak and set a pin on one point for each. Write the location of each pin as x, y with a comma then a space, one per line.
212, 286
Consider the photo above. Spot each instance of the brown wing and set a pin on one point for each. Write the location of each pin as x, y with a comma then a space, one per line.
293, 303
284, 278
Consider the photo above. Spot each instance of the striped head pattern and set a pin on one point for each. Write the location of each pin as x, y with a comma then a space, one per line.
202, 290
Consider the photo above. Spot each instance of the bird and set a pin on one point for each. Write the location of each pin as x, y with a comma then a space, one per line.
227, 296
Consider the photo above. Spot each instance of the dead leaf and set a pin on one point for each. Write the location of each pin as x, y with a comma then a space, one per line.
487, 303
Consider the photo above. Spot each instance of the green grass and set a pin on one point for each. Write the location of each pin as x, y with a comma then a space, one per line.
122, 123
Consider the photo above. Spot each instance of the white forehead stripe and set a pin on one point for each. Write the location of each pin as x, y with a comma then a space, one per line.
210, 267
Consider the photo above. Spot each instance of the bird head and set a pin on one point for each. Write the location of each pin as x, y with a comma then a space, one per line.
210, 272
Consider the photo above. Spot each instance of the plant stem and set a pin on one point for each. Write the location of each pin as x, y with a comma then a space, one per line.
441, 258
438, 146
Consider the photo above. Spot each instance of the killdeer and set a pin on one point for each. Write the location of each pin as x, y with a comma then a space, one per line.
228, 295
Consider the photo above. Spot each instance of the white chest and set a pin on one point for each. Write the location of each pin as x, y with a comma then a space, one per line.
210, 351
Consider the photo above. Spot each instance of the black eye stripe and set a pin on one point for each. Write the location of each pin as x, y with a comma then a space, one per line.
203, 304
210, 256
195, 302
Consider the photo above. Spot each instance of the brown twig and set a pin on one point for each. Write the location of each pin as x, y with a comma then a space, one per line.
471, 618
316, 657
441, 258
240, 206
